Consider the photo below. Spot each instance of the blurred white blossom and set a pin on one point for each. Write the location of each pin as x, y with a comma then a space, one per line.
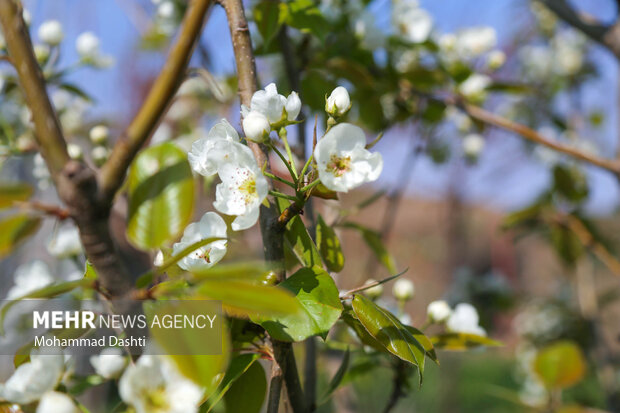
465, 319
110, 363
30, 277
65, 243
211, 225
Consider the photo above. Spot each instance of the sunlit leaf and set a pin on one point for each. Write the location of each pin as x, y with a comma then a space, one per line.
247, 393
15, 230
318, 296
462, 341
12, 192
298, 241
238, 365
560, 365
268, 20
161, 196
390, 332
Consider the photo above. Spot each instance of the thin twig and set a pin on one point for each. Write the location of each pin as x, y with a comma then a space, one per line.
156, 103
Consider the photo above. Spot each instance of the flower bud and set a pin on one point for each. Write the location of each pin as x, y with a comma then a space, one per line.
256, 126
99, 155
158, 261
473, 144
56, 402
438, 311
87, 45
403, 289
41, 52
373, 292
99, 134
50, 32
292, 106
496, 59
75, 152
338, 103
166, 10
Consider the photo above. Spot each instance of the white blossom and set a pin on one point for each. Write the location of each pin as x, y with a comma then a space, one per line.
474, 87
292, 106
403, 289
473, 144
211, 225
50, 32
100, 154
56, 402
338, 103
474, 41
41, 52
343, 160
439, 311
373, 292
273, 105
537, 61
447, 42
33, 379
242, 190
99, 134
496, 59
30, 277
74, 151
166, 10
154, 385
413, 22
366, 30
110, 363
256, 126
66, 243
464, 319
87, 45
209, 152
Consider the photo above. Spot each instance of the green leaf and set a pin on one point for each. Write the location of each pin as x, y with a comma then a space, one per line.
245, 298
352, 321
426, 342
318, 296
329, 246
76, 90
566, 244
15, 230
238, 365
337, 379
560, 365
268, 21
305, 16
462, 341
247, 393
374, 242
249, 270
571, 183
49, 291
506, 87
298, 241
11, 192
390, 332
161, 196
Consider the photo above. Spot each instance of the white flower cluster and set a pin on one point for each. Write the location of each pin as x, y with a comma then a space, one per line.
269, 111
152, 384
463, 319
412, 22
564, 56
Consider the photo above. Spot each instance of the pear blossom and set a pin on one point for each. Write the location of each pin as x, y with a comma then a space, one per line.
256, 126
438, 311
74, 151
209, 152
272, 105
30, 277
373, 292
41, 52
338, 103
56, 402
403, 289
87, 45
211, 225
32, 380
242, 190
496, 59
110, 363
50, 32
473, 144
65, 243
366, 30
447, 42
465, 319
343, 160
100, 155
154, 385
474, 41
413, 22
474, 87
166, 10
99, 134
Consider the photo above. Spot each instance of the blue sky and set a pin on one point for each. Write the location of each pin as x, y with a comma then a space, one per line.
494, 181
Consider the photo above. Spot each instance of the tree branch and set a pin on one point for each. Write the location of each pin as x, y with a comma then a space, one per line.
285, 367
75, 182
156, 103
47, 128
608, 36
